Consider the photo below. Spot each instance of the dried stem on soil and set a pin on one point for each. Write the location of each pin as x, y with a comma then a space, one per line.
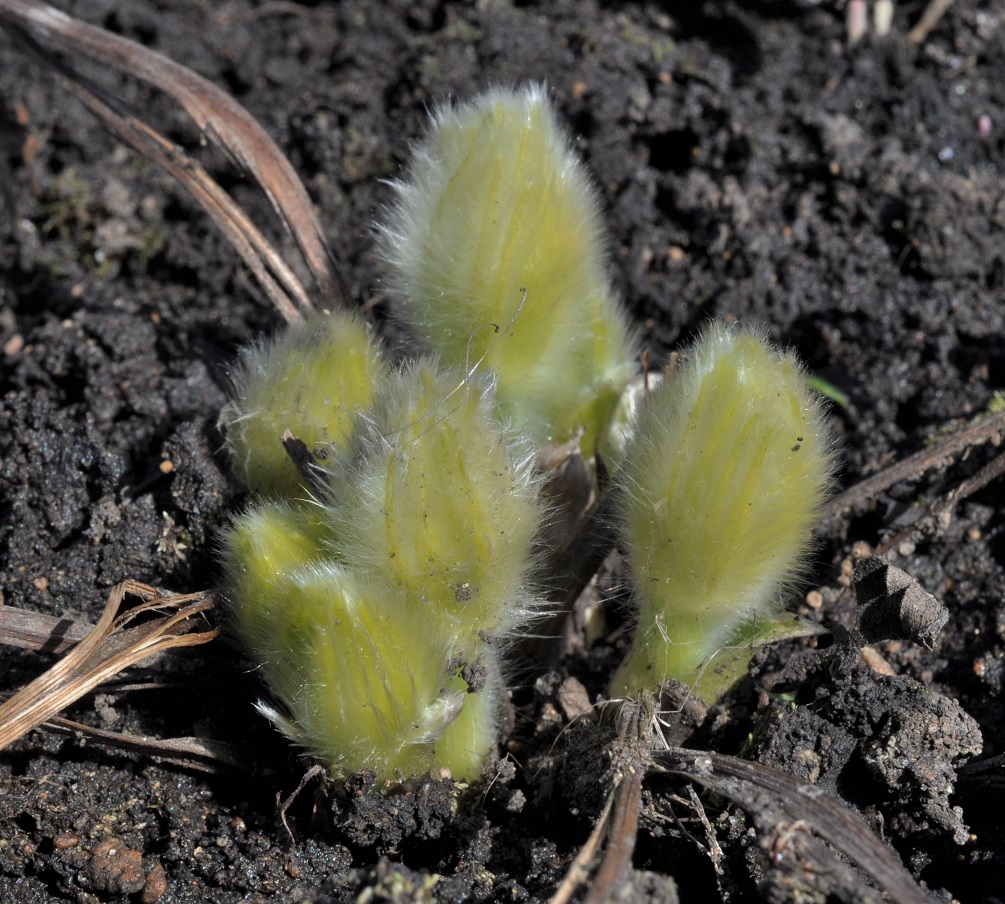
109, 648
44, 30
912, 467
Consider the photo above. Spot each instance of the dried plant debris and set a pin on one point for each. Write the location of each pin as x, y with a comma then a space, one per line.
800, 823
894, 606
116, 642
47, 31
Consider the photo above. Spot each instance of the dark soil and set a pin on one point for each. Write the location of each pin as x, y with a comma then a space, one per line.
752, 167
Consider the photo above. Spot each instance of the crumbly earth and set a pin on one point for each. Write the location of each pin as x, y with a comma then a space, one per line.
752, 166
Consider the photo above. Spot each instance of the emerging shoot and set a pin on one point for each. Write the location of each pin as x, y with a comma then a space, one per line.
359, 681
309, 380
375, 601
374, 613
721, 486
496, 253
438, 502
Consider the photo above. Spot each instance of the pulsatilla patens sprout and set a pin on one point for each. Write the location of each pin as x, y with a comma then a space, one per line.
496, 254
723, 480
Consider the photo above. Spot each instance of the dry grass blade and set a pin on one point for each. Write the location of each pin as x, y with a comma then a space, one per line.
935, 10
108, 649
915, 465
284, 289
939, 513
623, 832
203, 754
775, 798
579, 872
41, 633
223, 121
630, 758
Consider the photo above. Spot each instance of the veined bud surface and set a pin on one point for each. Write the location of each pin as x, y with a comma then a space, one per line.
496, 252
721, 486
310, 379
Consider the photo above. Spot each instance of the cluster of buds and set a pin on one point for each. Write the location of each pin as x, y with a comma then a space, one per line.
374, 590
377, 584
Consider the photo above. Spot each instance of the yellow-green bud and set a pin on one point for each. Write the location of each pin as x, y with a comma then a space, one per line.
495, 248
372, 613
270, 540
310, 380
438, 502
719, 492
362, 680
